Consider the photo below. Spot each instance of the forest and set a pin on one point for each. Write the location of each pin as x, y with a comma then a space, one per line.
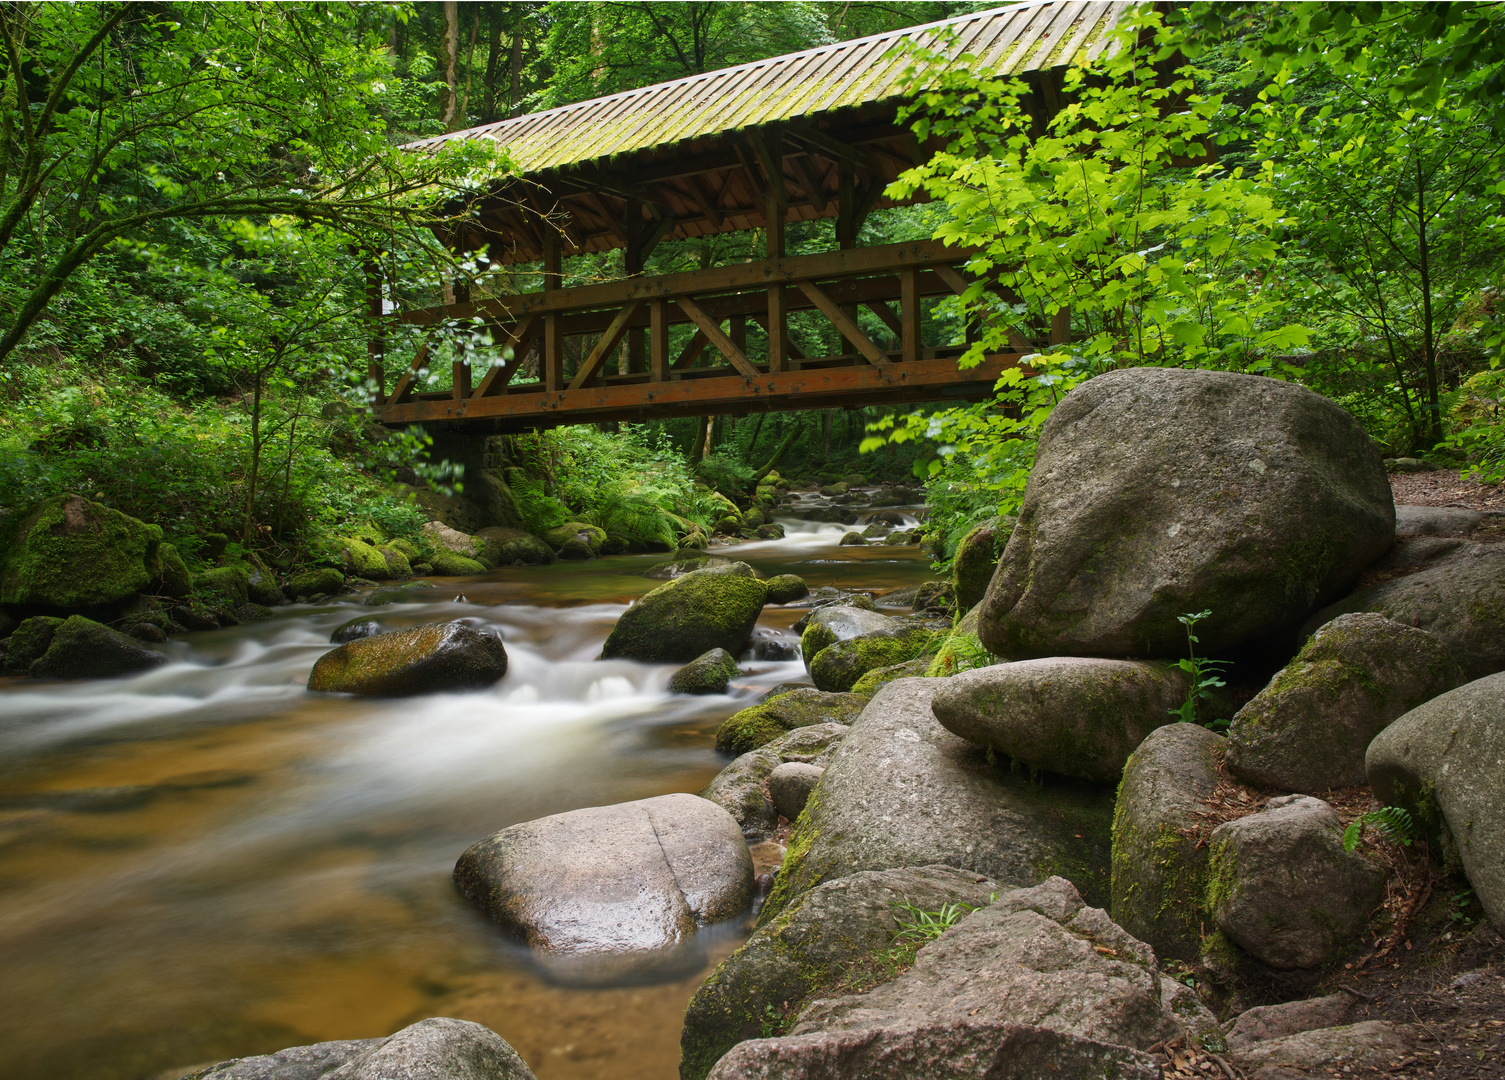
191, 195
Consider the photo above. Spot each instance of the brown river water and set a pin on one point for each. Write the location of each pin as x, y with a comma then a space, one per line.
206, 861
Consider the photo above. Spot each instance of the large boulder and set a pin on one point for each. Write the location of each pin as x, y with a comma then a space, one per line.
1078, 717
28, 643
71, 553
448, 564
1159, 868
1281, 887
741, 789
576, 540
1036, 966
439, 1048
1445, 762
1159, 491
428, 659
811, 948
903, 791
839, 666
1308, 729
81, 648
708, 673
976, 559
770, 719
360, 559
443, 538
840, 621
224, 586
261, 585
501, 546
1368, 1048
174, 579
614, 883
1459, 596
714, 608
318, 582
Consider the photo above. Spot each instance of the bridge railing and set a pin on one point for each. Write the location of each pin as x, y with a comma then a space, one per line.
718, 340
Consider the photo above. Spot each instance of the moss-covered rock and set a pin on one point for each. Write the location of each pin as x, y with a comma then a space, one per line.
576, 540
771, 531
686, 564
252, 612
977, 557
448, 564
318, 582
409, 592
935, 597
261, 584
175, 579
962, 650
1159, 868
786, 588
359, 627
409, 549
424, 660
501, 546
224, 586
706, 674
839, 665
71, 553
852, 539
396, 560
838, 622
714, 608
741, 788
763, 723
84, 649
878, 678
360, 559
1308, 729
28, 643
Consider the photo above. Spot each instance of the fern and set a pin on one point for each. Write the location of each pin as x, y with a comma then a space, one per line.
1394, 823
923, 926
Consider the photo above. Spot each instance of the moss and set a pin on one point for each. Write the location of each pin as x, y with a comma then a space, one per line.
175, 580
28, 643
754, 727
223, 587
1222, 875
322, 581
448, 564
838, 666
425, 659
786, 588
561, 535
876, 679
801, 839
396, 560
682, 618
84, 649
409, 550
361, 559
73, 553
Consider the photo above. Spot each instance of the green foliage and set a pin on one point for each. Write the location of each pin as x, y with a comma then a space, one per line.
918, 927
1394, 823
1203, 676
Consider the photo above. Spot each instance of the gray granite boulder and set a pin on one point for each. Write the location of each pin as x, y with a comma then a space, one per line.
1158, 491
1265, 1022
1459, 596
1308, 729
427, 659
1435, 520
741, 788
1076, 716
1281, 887
976, 559
1159, 871
616, 882
439, 1048
790, 785
706, 674
839, 622
1447, 758
901, 790
1366, 1048
814, 945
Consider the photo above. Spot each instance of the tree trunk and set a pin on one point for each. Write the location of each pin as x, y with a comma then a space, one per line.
449, 98
247, 527
515, 95
778, 455
702, 442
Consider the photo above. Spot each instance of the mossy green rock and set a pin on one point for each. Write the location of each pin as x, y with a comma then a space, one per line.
878, 678
1308, 729
676, 568
424, 660
706, 674
962, 650
808, 950
224, 586
73, 553
84, 649
319, 582
576, 540
500, 546
361, 559
359, 627
901, 790
448, 564
839, 622
1159, 869
839, 665
1158, 491
1077, 716
261, 584
715, 608
977, 557
28, 643
175, 580
771, 719
396, 560
786, 588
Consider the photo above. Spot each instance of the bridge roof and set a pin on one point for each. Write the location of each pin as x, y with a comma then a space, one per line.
1030, 36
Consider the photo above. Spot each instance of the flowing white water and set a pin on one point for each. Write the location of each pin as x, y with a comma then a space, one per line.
206, 860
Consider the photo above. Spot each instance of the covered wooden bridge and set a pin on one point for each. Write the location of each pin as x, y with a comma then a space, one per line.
790, 139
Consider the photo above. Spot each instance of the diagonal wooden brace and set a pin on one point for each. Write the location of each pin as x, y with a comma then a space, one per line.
606, 345
849, 329
708, 326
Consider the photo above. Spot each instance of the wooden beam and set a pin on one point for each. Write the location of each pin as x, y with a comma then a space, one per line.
959, 285
605, 345
909, 315
501, 374
810, 179
692, 350
658, 341
886, 313
404, 387
709, 201
831, 147
849, 329
735, 356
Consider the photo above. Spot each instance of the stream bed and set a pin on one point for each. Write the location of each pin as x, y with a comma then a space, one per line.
206, 861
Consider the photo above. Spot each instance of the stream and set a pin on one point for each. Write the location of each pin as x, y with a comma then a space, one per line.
206, 861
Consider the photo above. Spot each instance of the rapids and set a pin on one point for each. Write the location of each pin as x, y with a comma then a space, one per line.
206, 861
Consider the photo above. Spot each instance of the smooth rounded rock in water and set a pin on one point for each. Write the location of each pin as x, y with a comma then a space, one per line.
359, 627
84, 649
878, 678
319, 582
428, 659
1449, 756
790, 784
1307, 730
786, 588
1460, 597
69, 552
28, 643
936, 597
714, 608
706, 674
768, 720
439, 1048
576, 540
840, 665
838, 622
448, 564
1075, 716
1158, 491
901, 790
1159, 869
612, 881
741, 788
687, 564
1281, 887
